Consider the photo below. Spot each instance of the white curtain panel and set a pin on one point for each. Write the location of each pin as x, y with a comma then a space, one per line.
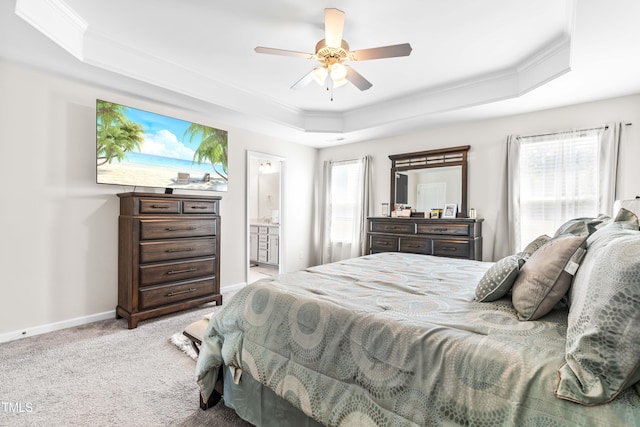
609, 146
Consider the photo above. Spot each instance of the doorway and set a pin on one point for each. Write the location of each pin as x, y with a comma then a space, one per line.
264, 216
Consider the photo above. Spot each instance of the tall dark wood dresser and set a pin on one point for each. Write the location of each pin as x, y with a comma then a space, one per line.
168, 254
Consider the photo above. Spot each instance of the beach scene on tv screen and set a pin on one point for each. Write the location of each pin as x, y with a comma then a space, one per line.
143, 149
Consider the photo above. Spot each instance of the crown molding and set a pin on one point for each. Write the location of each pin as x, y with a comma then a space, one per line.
56, 20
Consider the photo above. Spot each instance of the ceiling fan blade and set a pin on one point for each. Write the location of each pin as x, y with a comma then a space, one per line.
382, 52
333, 27
283, 52
356, 78
305, 80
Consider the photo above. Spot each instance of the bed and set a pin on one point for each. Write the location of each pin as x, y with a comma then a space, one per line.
402, 339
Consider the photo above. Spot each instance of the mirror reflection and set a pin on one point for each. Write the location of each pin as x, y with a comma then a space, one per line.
428, 180
427, 189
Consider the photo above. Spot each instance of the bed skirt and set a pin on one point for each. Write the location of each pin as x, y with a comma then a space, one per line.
260, 406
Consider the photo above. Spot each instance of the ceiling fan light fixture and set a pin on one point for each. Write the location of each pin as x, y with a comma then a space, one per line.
338, 72
338, 83
320, 75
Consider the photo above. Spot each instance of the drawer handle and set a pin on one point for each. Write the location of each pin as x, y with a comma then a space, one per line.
383, 243
451, 249
414, 246
180, 250
439, 229
186, 270
198, 207
160, 206
186, 291
193, 227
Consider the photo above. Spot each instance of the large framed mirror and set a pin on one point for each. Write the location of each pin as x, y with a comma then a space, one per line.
427, 180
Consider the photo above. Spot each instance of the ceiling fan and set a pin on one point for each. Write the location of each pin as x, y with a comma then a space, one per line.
332, 52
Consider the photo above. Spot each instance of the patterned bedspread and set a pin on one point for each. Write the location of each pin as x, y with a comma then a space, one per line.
396, 339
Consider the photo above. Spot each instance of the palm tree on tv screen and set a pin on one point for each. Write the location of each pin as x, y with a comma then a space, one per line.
212, 148
116, 134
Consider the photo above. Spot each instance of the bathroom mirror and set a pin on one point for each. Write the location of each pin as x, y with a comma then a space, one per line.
427, 180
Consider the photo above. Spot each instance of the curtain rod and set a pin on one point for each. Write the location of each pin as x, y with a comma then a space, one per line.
578, 130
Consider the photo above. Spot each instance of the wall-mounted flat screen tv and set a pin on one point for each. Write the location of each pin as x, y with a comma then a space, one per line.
143, 149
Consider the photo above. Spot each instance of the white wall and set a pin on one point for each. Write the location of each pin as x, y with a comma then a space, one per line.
58, 255
488, 152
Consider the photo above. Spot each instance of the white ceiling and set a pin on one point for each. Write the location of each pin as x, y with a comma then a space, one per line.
470, 60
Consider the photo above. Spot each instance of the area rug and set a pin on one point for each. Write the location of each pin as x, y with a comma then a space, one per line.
184, 344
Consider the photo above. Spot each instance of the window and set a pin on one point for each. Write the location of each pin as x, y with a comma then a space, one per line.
558, 181
557, 177
345, 189
346, 206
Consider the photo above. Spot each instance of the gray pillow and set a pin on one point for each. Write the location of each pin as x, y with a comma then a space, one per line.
497, 281
627, 219
533, 246
546, 276
603, 334
581, 226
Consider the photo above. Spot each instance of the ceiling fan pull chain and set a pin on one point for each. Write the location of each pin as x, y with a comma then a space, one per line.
330, 85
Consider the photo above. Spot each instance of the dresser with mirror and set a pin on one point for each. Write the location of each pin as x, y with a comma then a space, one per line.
422, 182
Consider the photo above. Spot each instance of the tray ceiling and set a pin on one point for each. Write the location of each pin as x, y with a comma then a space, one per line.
470, 59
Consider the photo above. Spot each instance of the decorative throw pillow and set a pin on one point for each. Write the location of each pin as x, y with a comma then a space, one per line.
536, 244
497, 281
602, 355
627, 219
581, 226
546, 276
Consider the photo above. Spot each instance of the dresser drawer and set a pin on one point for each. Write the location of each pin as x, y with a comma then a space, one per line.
449, 229
175, 271
200, 207
383, 244
451, 248
153, 296
176, 249
416, 246
151, 206
399, 228
167, 229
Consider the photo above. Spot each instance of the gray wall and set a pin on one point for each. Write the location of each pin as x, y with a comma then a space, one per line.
60, 229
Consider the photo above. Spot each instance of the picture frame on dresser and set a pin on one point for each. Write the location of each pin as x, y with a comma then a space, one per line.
450, 210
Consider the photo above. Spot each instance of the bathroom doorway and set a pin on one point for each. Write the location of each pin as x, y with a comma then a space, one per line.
265, 248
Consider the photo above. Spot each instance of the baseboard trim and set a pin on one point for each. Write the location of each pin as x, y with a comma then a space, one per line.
50, 327
233, 288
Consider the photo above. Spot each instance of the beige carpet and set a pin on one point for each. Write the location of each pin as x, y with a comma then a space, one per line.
103, 374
